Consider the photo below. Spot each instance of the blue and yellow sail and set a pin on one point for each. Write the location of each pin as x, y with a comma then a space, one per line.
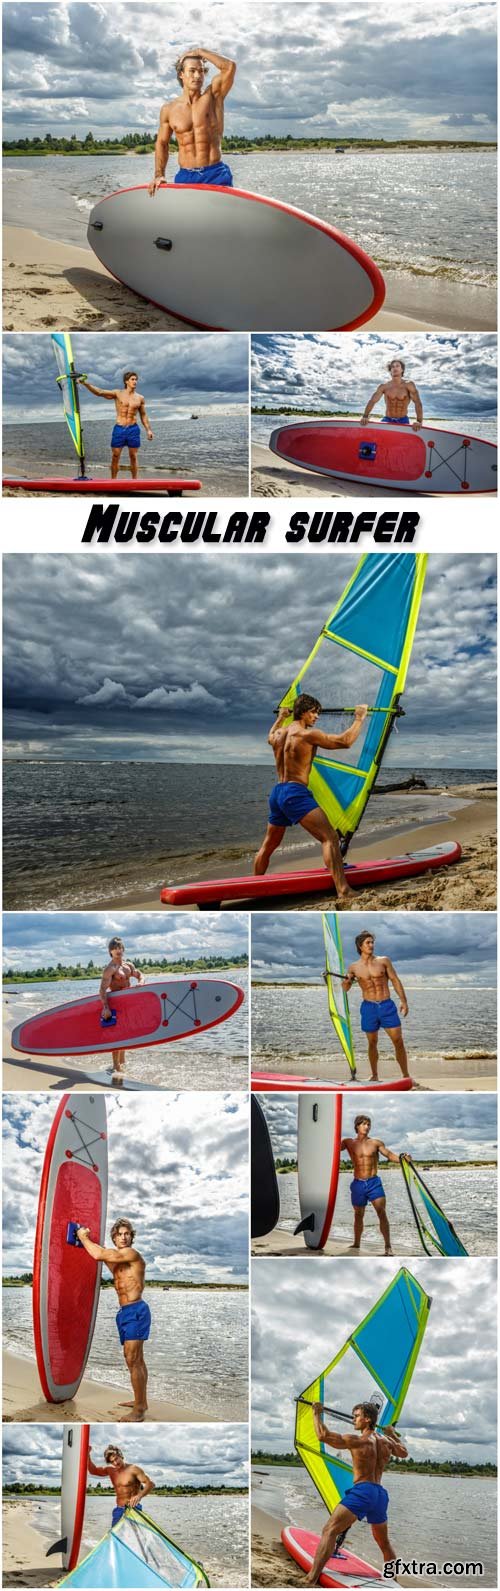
338, 1004
362, 655
68, 387
436, 1233
380, 1354
136, 1553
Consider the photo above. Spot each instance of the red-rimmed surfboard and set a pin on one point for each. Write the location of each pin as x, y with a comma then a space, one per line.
225, 259
87, 487
345, 1569
311, 881
154, 1013
66, 1280
428, 460
319, 1136
283, 1083
74, 1480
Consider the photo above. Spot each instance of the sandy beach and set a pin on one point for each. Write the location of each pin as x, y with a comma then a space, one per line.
50, 285
23, 1399
24, 1549
288, 1246
469, 885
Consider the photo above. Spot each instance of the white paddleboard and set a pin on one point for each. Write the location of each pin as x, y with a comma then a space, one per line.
319, 1137
73, 1490
227, 260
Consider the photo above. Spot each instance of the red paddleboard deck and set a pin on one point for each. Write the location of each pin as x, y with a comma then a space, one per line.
66, 1280
103, 488
428, 460
311, 881
282, 1083
155, 1013
345, 1569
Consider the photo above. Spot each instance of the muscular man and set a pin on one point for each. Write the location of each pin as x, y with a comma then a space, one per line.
117, 975
374, 974
134, 1315
196, 119
130, 408
366, 1186
366, 1498
290, 801
131, 1484
398, 395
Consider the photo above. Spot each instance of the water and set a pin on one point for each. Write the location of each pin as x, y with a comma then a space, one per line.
451, 1031
433, 1518
464, 1193
215, 1059
422, 215
213, 449
179, 826
197, 1353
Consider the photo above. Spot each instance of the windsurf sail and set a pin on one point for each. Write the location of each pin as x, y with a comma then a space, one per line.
375, 1364
436, 1233
362, 655
136, 1553
68, 387
338, 1004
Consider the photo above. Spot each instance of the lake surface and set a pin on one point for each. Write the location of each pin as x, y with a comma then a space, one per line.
433, 1518
197, 1353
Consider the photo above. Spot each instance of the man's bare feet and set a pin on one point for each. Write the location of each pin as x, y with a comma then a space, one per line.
136, 1417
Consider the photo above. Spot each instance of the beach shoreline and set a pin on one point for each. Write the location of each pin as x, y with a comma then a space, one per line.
49, 284
23, 1400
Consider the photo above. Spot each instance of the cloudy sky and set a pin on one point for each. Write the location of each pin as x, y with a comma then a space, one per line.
307, 68
181, 660
450, 1411
176, 373
456, 376
42, 939
174, 1455
427, 948
178, 1169
450, 1126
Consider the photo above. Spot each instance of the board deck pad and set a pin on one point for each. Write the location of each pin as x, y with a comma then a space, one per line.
345, 1568
155, 1013
103, 487
226, 259
308, 881
66, 1279
428, 460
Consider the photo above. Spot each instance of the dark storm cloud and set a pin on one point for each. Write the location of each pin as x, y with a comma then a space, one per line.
178, 1455
423, 946
186, 657
192, 369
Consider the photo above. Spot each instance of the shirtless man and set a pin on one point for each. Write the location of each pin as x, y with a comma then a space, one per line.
130, 408
366, 1498
290, 801
196, 119
131, 1484
134, 1315
398, 395
374, 974
117, 975
366, 1187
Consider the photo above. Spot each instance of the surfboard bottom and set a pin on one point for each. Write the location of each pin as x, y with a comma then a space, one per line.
310, 881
